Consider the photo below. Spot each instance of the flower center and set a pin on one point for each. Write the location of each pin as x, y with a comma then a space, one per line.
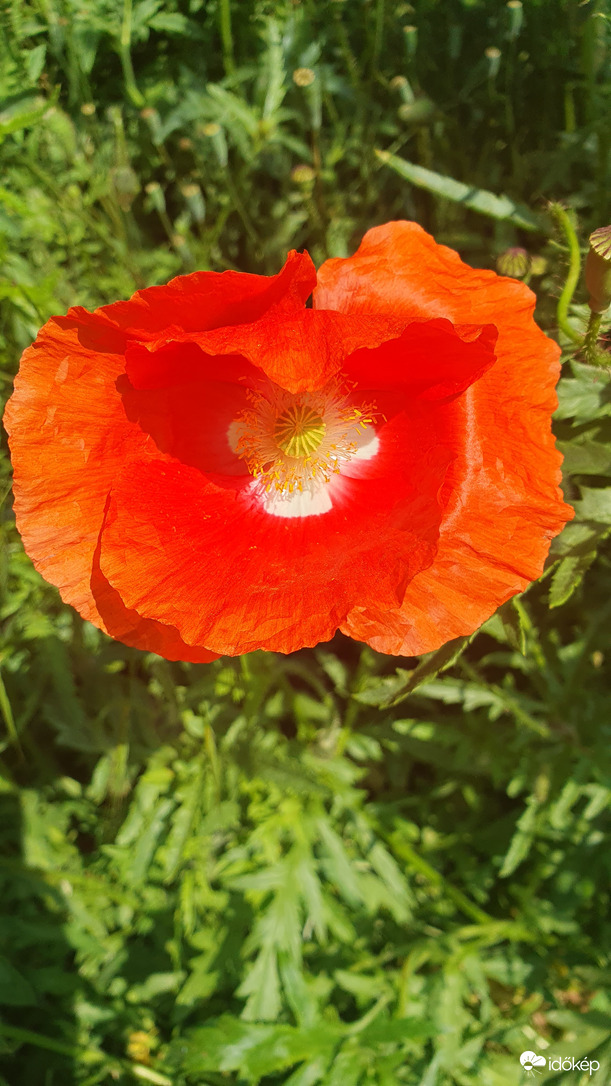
299, 431
295, 442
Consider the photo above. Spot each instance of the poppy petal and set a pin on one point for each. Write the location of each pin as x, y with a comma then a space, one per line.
264, 580
304, 351
69, 438
207, 300
504, 504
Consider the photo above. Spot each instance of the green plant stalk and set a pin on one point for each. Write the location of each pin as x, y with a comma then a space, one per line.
29, 1037
565, 223
226, 36
378, 37
7, 713
126, 57
590, 350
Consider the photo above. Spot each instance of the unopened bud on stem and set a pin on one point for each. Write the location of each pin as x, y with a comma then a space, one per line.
514, 262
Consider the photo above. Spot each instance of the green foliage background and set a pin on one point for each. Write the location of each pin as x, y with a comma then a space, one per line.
332, 867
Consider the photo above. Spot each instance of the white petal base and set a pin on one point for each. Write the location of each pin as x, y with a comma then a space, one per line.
298, 504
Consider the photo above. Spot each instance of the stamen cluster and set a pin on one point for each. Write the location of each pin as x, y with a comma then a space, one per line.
297, 441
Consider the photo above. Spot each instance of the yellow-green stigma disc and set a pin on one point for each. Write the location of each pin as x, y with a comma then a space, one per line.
299, 431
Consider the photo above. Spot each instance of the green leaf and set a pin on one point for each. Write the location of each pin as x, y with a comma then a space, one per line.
595, 505
391, 690
340, 869
170, 21
22, 111
586, 457
567, 577
253, 1049
584, 396
261, 984
509, 625
522, 840
15, 990
486, 203
348, 1068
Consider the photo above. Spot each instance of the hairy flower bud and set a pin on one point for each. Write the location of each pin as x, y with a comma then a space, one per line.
598, 269
514, 262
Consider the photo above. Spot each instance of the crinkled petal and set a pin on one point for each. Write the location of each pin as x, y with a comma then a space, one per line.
206, 300
503, 500
428, 360
303, 351
210, 560
69, 438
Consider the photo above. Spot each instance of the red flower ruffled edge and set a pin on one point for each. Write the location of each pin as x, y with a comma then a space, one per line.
501, 500
505, 504
70, 438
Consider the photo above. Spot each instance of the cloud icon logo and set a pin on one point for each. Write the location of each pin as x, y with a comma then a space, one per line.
530, 1062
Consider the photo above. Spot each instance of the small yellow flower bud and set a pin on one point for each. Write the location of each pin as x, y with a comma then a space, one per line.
598, 269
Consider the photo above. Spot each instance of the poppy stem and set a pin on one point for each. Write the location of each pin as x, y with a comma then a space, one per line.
592, 353
566, 223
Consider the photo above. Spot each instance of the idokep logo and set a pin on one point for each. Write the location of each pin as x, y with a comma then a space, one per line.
533, 1064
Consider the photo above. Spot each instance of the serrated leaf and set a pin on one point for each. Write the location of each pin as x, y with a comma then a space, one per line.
586, 457
390, 690
567, 577
341, 870
262, 986
253, 1049
579, 538
522, 840
508, 625
584, 396
595, 505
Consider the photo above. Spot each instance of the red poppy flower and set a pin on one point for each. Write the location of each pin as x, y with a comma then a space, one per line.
212, 467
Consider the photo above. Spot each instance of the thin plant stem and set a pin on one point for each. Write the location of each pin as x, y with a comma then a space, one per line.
28, 1036
226, 36
566, 224
378, 37
126, 57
